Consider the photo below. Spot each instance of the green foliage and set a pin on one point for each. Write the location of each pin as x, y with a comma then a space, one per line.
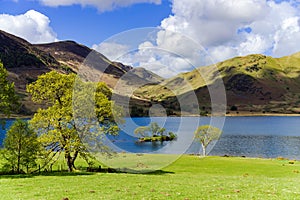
8, 98
206, 134
153, 133
20, 147
203, 113
156, 130
172, 135
71, 122
142, 131
153, 129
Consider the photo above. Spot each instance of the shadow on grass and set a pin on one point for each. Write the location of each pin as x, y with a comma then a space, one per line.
145, 172
54, 173
108, 171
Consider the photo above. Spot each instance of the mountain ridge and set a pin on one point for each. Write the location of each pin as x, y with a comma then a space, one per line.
25, 62
254, 84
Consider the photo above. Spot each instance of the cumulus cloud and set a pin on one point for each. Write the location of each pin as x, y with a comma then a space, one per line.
101, 5
112, 50
157, 56
233, 27
32, 26
221, 29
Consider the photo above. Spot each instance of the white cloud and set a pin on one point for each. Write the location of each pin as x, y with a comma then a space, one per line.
211, 22
217, 25
288, 37
32, 26
224, 28
112, 50
101, 5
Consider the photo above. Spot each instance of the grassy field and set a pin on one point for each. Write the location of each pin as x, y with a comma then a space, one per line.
189, 177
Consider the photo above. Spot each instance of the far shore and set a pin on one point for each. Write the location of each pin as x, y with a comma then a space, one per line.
233, 114
248, 114
258, 114
15, 116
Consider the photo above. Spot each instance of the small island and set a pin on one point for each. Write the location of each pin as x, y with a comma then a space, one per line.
153, 133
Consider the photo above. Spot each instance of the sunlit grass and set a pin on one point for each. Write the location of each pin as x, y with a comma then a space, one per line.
190, 177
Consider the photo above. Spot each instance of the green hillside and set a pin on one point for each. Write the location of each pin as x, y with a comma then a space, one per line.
253, 83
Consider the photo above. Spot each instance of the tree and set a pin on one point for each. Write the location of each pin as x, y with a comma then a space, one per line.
8, 97
172, 135
72, 118
20, 146
205, 135
153, 128
153, 132
142, 131
156, 130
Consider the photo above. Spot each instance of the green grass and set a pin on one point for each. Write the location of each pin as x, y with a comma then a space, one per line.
189, 177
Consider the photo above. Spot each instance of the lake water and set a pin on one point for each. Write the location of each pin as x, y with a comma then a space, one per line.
267, 137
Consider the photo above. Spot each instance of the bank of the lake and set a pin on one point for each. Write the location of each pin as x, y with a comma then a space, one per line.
189, 177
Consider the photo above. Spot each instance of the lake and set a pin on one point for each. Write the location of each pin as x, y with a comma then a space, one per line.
267, 137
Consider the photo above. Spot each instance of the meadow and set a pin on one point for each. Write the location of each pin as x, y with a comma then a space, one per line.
189, 177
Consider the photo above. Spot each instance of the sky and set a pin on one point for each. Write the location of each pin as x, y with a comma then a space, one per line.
185, 34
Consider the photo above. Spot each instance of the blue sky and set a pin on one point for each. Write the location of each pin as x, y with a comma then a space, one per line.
87, 25
190, 32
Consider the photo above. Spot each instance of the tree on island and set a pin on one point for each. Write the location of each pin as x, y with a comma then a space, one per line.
156, 130
205, 135
20, 147
142, 131
69, 121
8, 97
153, 132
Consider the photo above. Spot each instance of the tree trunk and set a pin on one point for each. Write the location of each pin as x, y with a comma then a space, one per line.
74, 158
70, 162
203, 150
18, 164
19, 155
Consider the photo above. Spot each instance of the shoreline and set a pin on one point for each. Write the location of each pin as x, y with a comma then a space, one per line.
15, 117
247, 114
262, 115
239, 114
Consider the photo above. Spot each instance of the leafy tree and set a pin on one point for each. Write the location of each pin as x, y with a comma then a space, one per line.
142, 131
172, 135
20, 146
8, 98
205, 135
155, 129
71, 122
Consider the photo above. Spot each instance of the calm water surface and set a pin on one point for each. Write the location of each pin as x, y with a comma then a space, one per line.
267, 137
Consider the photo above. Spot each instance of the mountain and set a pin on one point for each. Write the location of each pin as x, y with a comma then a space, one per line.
253, 84
25, 62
